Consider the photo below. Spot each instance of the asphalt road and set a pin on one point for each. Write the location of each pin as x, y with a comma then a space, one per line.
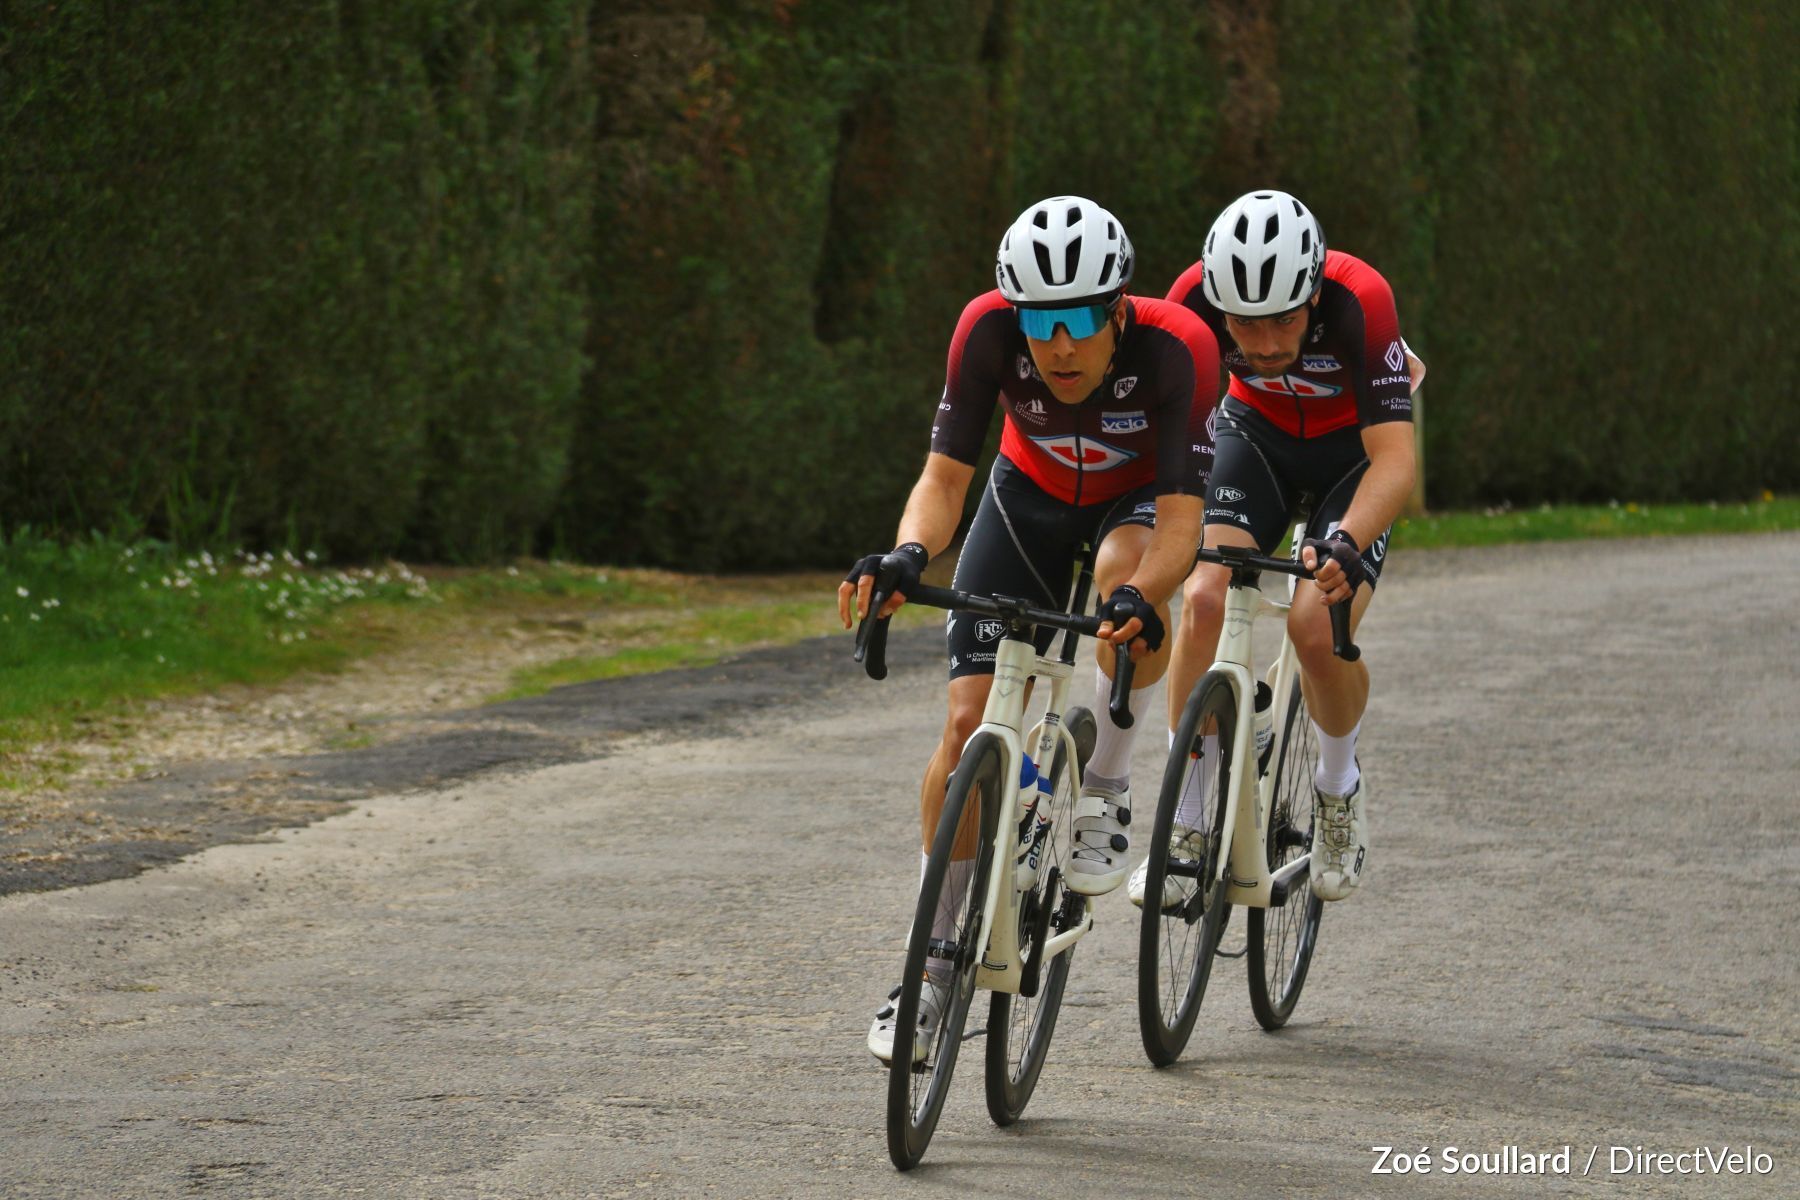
650, 972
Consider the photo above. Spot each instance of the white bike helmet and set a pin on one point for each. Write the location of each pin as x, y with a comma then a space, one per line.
1063, 251
1264, 255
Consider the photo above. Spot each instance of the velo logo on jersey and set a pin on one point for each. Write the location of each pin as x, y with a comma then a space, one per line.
1228, 495
1288, 385
1033, 411
1395, 356
1125, 422
1083, 454
987, 631
1123, 388
1320, 362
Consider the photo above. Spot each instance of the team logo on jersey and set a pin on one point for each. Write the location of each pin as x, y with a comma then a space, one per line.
1032, 410
1320, 362
1228, 495
1125, 422
1027, 368
1212, 424
1395, 356
1235, 358
1289, 385
987, 631
1084, 454
1318, 333
1147, 508
1123, 388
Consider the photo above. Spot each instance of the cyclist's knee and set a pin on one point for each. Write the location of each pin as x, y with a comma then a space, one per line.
968, 701
1309, 628
1203, 598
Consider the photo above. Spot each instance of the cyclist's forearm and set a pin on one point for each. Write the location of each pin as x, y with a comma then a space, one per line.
932, 514
1386, 485
1170, 555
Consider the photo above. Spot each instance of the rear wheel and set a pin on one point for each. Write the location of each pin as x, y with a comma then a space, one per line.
944, 951
1020, 1026
1180, 936
1282, 939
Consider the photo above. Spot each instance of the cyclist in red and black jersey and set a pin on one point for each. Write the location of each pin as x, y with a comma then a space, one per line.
1319, 405
1105, 399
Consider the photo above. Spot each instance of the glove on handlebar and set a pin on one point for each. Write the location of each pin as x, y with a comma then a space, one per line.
1127, 602
1342, 549
896, 571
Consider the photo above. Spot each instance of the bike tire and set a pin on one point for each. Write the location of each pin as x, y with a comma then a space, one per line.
1176, 948
916, 1091
1282, 940
1020, 1027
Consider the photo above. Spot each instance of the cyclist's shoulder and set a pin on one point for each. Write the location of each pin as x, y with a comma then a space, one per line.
1186, 290
1174, 319
990, 306
984, 333
1351, 278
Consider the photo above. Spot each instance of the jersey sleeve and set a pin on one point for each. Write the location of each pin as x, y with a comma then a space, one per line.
1383, 384
972, 379
1190, 379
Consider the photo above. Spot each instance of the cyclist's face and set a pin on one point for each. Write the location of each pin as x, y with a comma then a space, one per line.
1271, 344
1074, 367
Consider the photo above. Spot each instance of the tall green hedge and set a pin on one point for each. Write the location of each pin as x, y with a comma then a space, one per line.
672, 281
312, 277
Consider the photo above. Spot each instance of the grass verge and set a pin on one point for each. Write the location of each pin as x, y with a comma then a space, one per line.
89, 627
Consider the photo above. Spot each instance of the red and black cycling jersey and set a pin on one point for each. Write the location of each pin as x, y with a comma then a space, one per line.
1146, 423
1352, 367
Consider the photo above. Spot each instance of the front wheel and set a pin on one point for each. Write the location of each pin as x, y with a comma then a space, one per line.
1281, 940
1181, 934
943, 952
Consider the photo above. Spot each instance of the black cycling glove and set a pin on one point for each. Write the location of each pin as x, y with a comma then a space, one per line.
896, 571
1127, 602
1339, 546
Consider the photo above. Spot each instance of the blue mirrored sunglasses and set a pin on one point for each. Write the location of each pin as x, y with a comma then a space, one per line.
1082, 321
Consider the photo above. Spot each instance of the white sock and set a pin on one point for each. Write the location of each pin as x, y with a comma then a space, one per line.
1110, 764
1197, 788
1337, 773
950, 909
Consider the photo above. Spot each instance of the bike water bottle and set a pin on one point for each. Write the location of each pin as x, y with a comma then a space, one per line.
1265, 724
1034, 823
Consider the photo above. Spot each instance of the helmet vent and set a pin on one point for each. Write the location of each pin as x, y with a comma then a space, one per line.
1041, 219
1299, 283
1240, 275
1271, 228
1268, 276
1043, 262
1306, 241
1014, 276
1072, 216
1106, 269
1242, 232
1071, 259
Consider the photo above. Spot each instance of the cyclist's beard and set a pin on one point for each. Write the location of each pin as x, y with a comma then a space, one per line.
1267, 369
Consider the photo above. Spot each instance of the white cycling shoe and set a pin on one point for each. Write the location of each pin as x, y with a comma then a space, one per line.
881, 1033
1183, 843
1097, 862
1340, 841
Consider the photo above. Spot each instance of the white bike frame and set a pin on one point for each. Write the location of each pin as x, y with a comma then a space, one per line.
1244, 864
1015, 664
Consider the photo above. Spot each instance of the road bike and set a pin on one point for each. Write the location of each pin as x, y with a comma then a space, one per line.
1253, 844
973, 926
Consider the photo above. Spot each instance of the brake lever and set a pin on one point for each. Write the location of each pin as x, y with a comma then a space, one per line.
871, 638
